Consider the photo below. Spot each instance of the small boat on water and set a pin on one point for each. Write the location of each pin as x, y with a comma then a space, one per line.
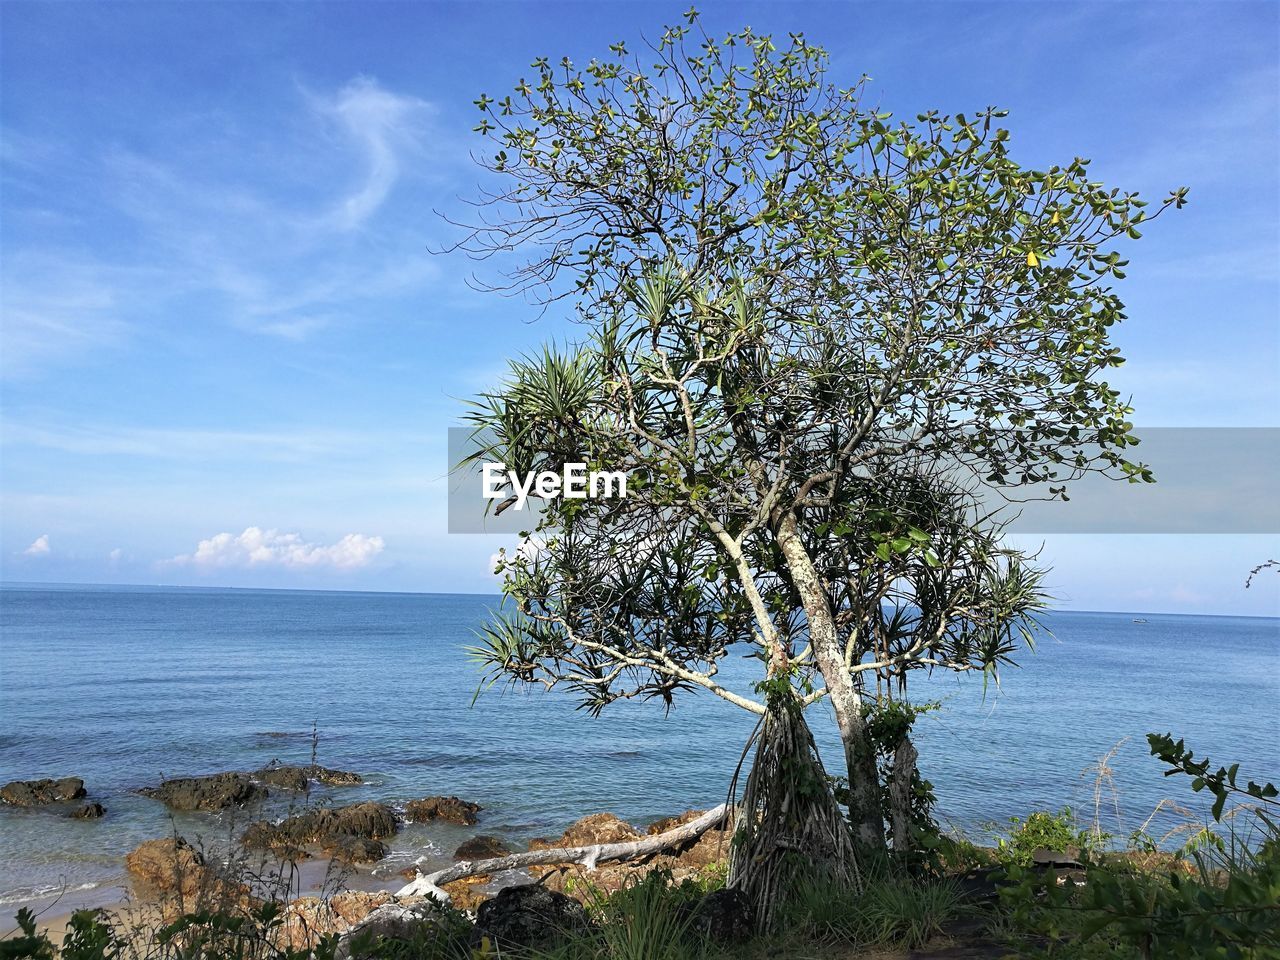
1139, 620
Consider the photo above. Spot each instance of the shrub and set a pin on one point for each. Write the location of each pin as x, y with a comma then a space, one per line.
1042, 831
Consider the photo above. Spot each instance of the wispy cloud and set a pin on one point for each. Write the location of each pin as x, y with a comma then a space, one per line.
271, 548
98, 440
56, 307
384, 125
527, 549
1222, 133
247, 227
1252, 264
39, 547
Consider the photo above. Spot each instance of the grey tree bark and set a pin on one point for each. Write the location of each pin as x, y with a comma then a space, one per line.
859, 753
904, 769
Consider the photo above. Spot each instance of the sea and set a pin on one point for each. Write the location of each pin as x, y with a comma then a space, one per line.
125, 686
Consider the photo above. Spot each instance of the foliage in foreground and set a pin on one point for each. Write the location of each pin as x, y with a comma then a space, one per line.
1225, 904
890, 910
95, 935
651, 919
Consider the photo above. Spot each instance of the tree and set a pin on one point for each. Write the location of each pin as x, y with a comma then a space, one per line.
810, 332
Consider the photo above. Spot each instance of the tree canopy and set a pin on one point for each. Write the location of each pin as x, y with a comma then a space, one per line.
811, 330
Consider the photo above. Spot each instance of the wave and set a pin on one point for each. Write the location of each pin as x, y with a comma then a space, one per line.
25, 894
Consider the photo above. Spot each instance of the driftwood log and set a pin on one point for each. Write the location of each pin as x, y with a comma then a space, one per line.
430, 884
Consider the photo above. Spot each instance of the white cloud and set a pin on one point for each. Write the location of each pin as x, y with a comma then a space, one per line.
257, 547
381, 123
39, 547
271, 548
115, 556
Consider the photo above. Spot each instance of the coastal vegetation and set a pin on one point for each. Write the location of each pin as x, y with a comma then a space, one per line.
1050, 887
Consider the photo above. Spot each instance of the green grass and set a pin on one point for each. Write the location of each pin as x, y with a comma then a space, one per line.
890, 909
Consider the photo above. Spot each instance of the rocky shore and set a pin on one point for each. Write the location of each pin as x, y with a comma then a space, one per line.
51, 793
173, 874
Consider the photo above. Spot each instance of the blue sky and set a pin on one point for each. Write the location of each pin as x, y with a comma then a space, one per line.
230, 356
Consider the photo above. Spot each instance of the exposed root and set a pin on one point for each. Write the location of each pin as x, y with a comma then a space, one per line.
791, 830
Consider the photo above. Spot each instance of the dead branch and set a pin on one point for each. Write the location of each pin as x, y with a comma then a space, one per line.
430, 884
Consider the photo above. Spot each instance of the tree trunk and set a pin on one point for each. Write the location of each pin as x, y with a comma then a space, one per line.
904, 770
859, 753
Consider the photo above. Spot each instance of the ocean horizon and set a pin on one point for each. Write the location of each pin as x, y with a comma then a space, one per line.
496, 597
126, 685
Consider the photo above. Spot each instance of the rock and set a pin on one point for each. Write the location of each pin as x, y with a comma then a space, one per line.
367, 819
303, 922
1063, 864
355, 905
583, 885
443, 808
176, 876
222, 790
168, 866
670, 823
356, 850
307, 919
599, 828
1068, 860
589, 831
216, 792
481, 847
37, 793
334, 778
341, 832
391, 921
980, 884
469, 892
90, 811
298, 778
312, 914
723, 917
528, 916
286, 778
